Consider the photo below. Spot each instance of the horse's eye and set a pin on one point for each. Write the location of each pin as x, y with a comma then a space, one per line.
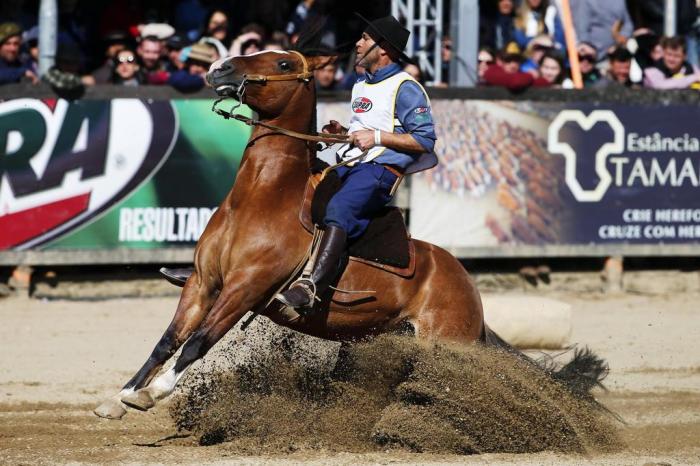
285, 66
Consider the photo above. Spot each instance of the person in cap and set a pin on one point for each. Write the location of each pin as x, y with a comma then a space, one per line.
192, 78
391, 134
12, 68
173, 47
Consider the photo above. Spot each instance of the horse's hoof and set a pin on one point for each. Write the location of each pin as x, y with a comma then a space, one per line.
141, 400
110, 409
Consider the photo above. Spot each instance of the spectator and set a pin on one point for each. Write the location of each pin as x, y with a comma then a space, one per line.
552, 70
115, 42
12, 69
326, 77
414, 70
505, 72
149, 52
536, 17
192, 78
30, 39
189, 15
602, 23
486, 58
646, 50
65, 76
651, 13
446, 51
273, 45
173, 47
496, 28
126, 69
216, 25
588, 57
249, 34
672, 71
535, 51
618, 73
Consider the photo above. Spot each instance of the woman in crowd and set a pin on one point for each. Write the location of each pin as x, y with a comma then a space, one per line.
535, 51
486, 58
552, 70
216, 30
535, 17
126, 69
496, 25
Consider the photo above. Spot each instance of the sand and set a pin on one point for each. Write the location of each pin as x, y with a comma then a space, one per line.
61, 358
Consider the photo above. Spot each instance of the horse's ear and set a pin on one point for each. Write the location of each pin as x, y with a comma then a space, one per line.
316, 63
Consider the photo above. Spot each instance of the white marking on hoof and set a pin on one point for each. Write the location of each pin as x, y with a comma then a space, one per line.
165, 384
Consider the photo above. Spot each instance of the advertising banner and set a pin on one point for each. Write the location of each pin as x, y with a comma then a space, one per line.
517, 174
120, 173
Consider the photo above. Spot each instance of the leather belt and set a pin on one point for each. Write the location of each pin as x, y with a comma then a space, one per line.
393, 169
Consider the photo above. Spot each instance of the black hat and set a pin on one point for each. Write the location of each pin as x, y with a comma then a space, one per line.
389, 30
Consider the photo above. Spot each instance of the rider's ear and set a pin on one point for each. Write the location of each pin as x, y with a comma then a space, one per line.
316, 63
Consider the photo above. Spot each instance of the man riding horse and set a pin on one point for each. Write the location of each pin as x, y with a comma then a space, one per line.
390, 127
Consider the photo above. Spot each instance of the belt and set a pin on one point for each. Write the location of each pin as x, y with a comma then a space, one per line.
398, 171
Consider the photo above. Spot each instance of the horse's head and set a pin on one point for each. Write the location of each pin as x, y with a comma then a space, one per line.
266, 81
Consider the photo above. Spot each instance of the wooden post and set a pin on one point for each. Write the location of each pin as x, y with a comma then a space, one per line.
570, 35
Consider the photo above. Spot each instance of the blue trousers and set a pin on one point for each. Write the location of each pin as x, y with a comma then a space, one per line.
365, 189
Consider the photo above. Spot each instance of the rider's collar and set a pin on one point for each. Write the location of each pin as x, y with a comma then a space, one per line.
382, 73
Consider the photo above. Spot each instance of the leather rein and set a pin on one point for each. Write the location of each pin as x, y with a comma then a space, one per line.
304, 76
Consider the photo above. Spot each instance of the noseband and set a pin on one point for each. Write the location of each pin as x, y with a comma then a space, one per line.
304, 76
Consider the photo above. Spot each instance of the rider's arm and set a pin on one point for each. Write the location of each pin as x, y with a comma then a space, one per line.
413, 111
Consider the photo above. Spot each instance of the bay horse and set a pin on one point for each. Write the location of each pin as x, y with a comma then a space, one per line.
255, 241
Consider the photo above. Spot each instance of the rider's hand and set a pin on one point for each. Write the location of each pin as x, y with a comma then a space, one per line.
364, 139
333, 128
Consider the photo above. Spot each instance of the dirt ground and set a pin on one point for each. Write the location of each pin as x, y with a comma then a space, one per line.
60, 358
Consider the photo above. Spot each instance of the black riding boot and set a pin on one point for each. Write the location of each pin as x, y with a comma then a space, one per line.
330, 256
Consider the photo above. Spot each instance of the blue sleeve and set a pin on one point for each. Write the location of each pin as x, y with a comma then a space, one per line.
185, 82
415, 114
521, 39
11, 75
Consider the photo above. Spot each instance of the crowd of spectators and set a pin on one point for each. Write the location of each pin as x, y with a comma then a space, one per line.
619, 43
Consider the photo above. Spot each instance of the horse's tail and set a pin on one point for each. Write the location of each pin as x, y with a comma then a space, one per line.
584, 372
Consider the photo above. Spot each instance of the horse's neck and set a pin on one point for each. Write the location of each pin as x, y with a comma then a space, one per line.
278, 161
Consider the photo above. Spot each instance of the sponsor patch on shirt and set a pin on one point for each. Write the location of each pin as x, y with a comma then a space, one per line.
361, 105
421, 110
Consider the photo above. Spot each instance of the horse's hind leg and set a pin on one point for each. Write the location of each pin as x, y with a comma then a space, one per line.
228, 309
195, 302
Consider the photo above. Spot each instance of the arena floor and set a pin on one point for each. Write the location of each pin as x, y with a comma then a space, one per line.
61, 358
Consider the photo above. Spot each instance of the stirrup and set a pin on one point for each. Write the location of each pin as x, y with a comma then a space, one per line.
307, 286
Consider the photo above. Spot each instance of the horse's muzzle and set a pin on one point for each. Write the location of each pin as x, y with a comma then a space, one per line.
223, 79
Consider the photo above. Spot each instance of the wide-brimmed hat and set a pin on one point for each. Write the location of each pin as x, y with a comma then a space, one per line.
202, 52
8, 30
389, 30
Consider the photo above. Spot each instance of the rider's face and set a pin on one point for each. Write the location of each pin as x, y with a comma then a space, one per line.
362, 46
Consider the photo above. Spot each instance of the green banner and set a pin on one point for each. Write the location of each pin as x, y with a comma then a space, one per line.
121, 173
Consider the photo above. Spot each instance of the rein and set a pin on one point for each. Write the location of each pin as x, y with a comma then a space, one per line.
305, 76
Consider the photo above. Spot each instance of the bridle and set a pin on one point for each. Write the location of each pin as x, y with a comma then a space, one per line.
304, 76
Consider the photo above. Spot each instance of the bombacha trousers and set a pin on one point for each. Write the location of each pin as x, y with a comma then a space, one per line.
365, 189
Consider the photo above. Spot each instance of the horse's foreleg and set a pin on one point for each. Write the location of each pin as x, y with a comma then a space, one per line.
228, 309
195, 302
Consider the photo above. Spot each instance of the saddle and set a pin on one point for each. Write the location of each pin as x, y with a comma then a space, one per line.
385, 244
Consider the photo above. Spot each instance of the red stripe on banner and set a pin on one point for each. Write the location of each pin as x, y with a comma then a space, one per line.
19, 227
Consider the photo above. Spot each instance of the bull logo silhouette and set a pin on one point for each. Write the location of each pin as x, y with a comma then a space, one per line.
556, 146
